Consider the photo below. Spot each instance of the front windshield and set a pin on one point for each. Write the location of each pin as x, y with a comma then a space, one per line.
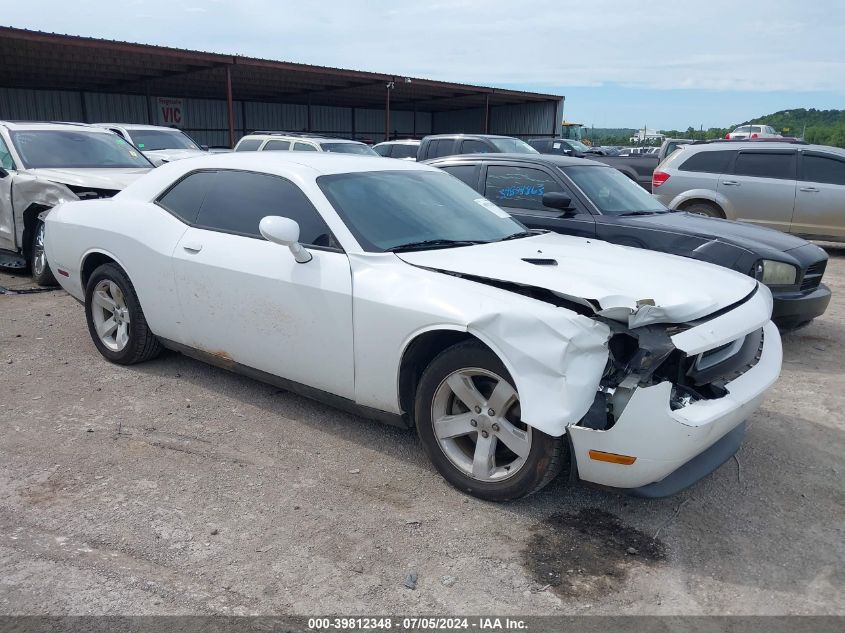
76, 149
386, 209
348, 148
612, 191
152, 140
579, 146
512, 146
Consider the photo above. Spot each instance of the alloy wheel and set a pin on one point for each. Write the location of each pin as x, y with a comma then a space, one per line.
111, 315
476, 420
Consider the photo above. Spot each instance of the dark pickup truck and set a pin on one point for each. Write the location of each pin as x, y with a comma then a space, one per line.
638, 168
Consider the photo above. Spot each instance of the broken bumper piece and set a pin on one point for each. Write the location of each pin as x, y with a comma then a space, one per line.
664, 438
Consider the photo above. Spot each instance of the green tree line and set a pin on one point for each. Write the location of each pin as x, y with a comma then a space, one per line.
824, 127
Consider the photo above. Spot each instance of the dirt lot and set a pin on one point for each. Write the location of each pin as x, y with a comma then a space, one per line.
176, 488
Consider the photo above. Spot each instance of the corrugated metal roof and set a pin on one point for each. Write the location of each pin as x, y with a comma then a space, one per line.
35, 59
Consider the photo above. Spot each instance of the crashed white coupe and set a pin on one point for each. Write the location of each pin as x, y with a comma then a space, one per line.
391, 289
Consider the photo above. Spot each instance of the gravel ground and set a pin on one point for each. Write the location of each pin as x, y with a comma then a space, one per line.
176, 488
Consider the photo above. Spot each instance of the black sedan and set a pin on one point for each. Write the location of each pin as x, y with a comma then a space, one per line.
593, 200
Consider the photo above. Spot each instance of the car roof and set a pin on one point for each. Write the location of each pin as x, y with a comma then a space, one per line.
756, 145
304, 166
52, 125
138, 126
462, 135
313, 139
549, 159
402, 141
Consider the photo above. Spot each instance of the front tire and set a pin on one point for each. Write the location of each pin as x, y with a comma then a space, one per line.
468, 419
116, 321
705, 208
41, 273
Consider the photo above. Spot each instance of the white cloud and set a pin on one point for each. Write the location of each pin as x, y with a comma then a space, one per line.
755, 45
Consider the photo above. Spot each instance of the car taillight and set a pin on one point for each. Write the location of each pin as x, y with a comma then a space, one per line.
658, 178
728, 136
753, 136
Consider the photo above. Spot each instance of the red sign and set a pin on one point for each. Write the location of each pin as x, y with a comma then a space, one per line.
170, 112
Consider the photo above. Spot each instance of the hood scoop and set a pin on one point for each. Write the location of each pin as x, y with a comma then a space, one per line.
540, 261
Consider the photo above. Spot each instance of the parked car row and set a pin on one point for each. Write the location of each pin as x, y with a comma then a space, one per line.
600, 206
393, 289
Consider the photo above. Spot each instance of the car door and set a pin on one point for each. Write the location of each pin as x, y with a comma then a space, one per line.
820, 199
246, 300
761, 187
519, 190
7, 216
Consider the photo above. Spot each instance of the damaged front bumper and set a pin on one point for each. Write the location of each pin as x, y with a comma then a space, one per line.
674, 434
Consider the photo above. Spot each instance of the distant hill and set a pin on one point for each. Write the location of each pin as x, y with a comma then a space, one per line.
826, 127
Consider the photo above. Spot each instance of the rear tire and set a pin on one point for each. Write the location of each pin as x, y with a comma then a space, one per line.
41, 273
705, 208
116, 321
489, 454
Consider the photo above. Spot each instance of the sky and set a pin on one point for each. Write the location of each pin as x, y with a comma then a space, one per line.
668, 65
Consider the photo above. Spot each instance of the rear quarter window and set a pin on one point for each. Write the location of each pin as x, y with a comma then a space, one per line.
440, 147
824, 169
185, 198
468, 174
249, 145
708, 162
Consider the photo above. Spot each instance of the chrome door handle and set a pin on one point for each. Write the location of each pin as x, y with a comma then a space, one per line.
810, 189
731, 183
192, 247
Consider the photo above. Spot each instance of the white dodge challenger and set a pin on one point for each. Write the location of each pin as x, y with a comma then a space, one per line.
393, 290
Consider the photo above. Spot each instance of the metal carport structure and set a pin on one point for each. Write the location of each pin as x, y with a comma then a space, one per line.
53, 76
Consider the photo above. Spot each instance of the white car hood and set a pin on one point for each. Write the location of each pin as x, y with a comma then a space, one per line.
626, 284
170, 155
117, 179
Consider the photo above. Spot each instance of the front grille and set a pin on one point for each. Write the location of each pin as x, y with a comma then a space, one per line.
813, 276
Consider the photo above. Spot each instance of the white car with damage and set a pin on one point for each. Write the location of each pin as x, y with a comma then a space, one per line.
393, 290
45, 164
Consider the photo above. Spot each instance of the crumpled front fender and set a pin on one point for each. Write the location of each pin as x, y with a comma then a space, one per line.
556, 361
29, 190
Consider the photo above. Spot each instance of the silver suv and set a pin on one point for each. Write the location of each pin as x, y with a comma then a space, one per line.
793, 187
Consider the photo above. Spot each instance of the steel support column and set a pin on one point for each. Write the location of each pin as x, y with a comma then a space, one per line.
230, 107
148, 98
487, 113
387, 111
308, 114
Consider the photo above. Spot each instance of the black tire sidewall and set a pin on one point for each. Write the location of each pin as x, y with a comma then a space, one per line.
46, 278
705, 209
137, 322
544, 448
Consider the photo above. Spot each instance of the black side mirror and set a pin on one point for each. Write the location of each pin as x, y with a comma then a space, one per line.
557, 200
3, 173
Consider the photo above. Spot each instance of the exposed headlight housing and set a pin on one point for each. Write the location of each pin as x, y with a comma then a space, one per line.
774, 273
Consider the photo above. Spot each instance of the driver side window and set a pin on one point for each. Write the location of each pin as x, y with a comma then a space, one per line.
519, 187
236, 201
